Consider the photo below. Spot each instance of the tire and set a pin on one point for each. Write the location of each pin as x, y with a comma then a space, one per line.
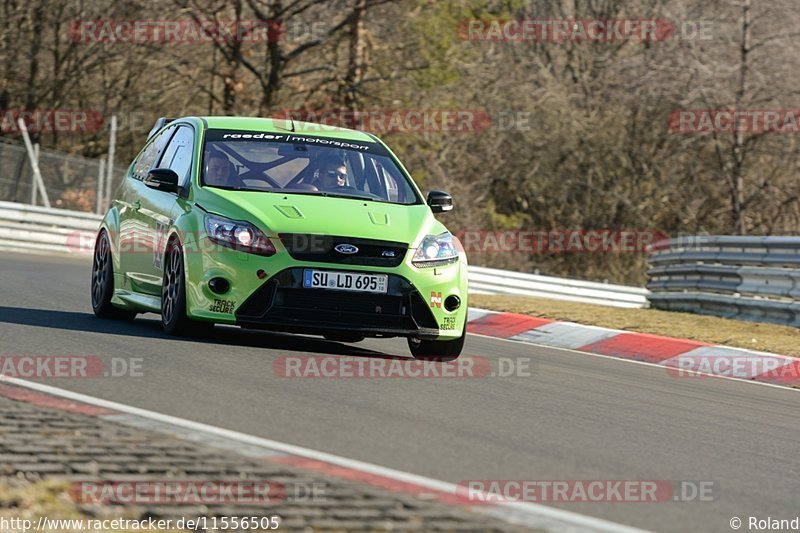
102, 288
344, 337
438, 350
173, 292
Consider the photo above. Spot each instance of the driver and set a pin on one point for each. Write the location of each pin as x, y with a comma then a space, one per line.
219, 171
332, 175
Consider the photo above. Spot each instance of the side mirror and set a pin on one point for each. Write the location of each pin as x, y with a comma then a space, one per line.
440, 201
163, 179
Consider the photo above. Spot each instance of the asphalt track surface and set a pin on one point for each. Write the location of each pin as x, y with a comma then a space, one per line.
576, 417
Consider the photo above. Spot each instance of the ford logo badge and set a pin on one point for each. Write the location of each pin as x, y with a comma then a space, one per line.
347, 249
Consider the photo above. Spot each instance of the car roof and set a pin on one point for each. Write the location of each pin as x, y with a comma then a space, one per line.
281, 125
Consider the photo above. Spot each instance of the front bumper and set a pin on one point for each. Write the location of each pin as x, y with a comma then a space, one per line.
283, 304
267, 293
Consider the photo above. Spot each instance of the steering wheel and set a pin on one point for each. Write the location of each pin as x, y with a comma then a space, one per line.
297, 179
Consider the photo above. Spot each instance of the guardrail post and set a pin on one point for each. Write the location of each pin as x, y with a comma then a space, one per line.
34, 161
34, 190
101, 174
112, 141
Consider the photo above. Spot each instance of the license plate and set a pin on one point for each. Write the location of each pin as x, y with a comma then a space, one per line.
345, 281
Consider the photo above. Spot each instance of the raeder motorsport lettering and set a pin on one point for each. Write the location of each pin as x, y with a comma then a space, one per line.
309, 140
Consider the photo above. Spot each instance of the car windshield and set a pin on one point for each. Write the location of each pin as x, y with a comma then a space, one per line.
302, 164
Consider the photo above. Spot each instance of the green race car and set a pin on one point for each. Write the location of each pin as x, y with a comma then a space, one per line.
283, 226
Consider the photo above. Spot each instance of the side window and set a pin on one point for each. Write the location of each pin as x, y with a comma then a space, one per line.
148, 157
178, 155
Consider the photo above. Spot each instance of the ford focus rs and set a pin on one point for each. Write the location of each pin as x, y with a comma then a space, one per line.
282, 226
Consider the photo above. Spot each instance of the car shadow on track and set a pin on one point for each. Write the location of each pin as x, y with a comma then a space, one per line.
70, 320
144, 327
234, 336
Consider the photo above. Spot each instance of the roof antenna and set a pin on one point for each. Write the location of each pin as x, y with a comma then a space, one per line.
292, 120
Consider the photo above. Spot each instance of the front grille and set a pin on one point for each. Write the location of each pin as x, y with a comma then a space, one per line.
321, 299
321, 249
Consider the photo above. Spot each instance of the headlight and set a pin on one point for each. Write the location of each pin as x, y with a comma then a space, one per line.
238, 235
436, 250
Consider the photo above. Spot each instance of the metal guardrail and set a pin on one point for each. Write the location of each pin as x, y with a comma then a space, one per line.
494, 281
749, 278
25, 228
28, 228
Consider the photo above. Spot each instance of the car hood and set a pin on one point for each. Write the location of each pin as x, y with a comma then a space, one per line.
278, 213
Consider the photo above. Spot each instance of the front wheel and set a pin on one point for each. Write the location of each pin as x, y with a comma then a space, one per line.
438, 350
103, 282
173, 292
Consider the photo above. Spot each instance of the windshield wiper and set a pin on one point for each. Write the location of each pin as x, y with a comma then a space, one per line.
334, 194
245, 189
327, 194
